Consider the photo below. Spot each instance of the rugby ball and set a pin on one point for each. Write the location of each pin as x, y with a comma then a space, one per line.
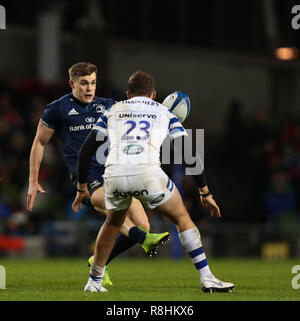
179, 103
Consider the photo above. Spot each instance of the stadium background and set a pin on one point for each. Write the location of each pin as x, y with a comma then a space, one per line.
221, 53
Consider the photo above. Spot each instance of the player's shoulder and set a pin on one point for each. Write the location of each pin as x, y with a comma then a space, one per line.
53, 112
163, 107
60, 101
117, 105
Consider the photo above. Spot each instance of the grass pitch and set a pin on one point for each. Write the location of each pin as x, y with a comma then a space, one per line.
148, 279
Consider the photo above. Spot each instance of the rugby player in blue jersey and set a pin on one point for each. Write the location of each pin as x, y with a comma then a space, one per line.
72, 117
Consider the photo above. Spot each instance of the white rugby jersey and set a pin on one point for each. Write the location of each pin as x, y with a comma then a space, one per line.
136, 129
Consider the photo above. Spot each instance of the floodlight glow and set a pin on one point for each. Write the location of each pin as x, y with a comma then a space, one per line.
286, 53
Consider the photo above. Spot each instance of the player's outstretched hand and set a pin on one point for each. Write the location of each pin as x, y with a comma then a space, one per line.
77, 204
209, 202
33, 189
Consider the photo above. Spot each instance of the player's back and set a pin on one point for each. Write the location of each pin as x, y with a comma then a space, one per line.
136, 129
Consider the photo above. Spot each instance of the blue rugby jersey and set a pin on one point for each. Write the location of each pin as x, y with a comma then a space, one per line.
73, 121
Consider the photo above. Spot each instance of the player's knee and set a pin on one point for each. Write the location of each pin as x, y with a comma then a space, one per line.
100, 210
97, 199
113, 221
98, 205
183, 222
115, 218
137, 214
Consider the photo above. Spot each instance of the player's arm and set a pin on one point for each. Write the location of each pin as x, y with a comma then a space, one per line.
42, 137
94, 140
206, 197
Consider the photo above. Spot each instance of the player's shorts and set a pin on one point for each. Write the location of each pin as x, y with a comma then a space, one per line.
151, 190
93, 183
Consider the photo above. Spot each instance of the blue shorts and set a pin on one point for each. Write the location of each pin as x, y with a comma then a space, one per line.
95, 181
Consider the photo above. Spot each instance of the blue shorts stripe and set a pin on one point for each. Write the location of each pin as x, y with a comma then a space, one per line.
196, 252
201, 264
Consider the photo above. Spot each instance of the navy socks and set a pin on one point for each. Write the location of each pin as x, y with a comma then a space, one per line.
124, 243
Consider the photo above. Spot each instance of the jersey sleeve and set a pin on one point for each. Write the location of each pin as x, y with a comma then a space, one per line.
101, 124
51, 116
175, 127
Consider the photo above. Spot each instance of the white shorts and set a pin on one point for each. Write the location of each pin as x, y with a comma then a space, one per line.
152, 190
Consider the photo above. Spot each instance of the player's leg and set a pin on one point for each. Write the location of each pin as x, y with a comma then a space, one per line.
135, 219
107, 236
129, 235
190, 239
133, 232
128, 228
175, 210
97, 200
104, 244
138, 216
116, 214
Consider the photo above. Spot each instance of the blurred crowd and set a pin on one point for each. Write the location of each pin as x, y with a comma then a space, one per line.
21, 105
264, 153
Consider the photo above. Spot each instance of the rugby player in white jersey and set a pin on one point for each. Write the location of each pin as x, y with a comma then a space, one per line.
136, 129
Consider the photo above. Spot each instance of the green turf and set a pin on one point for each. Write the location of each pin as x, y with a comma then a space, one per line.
148, 279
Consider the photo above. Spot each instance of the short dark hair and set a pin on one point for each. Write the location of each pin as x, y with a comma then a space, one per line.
141, 83
81, 69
